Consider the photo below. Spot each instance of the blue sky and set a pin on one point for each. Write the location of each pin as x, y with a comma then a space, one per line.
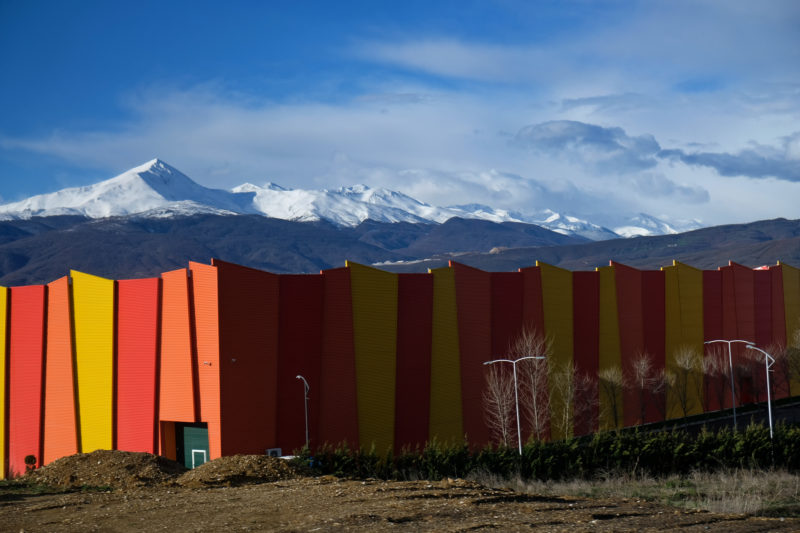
684, 110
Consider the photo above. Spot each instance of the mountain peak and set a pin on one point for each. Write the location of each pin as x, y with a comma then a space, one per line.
155, 188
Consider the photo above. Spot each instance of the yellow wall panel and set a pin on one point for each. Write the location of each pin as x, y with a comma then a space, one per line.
610, 352
93, 312
3, 356
558, 326
446, 422
791, 306
683, 307
374, 295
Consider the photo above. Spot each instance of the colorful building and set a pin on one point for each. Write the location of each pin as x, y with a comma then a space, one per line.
203, 362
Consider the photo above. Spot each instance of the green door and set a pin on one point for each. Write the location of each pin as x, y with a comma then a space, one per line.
195, 446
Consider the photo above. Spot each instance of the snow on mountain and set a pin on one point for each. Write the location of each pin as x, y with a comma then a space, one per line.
157, 190
570, 225
154, 185
643, 225
348, 206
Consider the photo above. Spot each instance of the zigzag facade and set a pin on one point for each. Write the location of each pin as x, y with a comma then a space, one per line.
392, 360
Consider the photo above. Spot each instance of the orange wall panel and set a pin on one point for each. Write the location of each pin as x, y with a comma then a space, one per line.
60, 417
205, 292
177, 389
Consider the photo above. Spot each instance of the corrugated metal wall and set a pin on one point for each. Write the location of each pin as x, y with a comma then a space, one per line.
248, 366
26, 376
60, 418
93, 312
138, 322
414, 338
3, 380
392, 360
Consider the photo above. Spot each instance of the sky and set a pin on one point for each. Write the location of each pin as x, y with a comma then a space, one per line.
685, 110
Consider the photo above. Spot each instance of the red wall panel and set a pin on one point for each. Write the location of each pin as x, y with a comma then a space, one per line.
762, 316
338, 422
507, 311
631, 334
26, 376
532, 309
248, 316
714, 385
744, 307
60, 419
474, 300
138, 318
780, 388
586, 334
762, 294
778, 309
533, 316
414, 337
654, 322
299, 353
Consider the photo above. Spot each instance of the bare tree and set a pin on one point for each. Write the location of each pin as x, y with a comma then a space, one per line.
571, 391
498, 403
718, 374
782, 384
793, 360
612, 384
645, 381
663, 387
688, 383
533, 382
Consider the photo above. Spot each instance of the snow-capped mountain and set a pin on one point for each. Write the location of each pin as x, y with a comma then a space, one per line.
154, 185
157, 190
644, 225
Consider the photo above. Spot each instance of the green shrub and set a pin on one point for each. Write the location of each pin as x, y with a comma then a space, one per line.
629, 452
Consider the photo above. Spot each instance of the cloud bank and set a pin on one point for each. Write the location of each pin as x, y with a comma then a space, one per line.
611, 149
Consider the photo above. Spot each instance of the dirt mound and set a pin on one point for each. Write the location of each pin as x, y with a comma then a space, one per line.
107, 468
237, 470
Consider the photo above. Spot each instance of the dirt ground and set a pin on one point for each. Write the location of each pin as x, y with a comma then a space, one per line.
139, 492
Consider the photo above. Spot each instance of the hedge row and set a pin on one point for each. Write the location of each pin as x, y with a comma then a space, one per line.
624, 452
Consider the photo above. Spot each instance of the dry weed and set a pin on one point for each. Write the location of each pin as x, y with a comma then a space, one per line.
746, 492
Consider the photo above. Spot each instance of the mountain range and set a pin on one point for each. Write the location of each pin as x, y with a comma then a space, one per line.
157, 189
153, 218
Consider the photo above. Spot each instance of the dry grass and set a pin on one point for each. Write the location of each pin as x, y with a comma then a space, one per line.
749, 492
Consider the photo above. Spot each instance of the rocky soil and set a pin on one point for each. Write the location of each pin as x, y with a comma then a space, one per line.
125, 492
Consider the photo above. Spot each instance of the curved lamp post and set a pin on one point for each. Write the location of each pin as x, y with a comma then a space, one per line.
768, 362
730, 363
306, 388
516, 394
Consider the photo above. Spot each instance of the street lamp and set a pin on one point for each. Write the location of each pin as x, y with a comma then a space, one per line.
516, 394
306, 388
730, 363
768, 362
